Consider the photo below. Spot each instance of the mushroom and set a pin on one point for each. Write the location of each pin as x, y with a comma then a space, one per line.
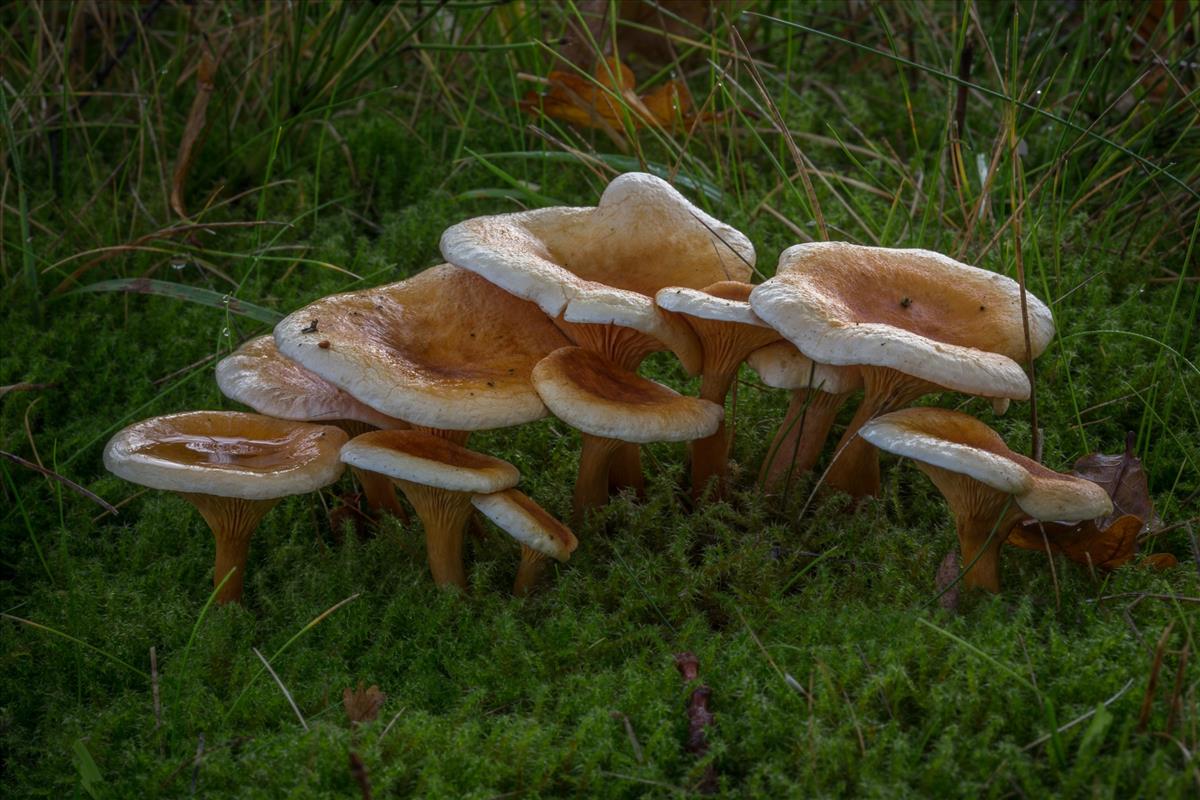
541, 535
259, 376
818, 393
610, 405
989, 487
233, 467
728, 331
439, 478
914, 321
595, 270
445, 350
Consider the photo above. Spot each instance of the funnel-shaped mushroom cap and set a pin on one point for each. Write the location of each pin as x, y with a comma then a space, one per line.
594, 395
915, 311
958, 442
227, 454
604, 264
443, 349
259, 376
782, 366
429, 460
527, 522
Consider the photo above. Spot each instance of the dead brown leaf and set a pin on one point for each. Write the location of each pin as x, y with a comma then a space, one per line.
1123, 477
196, 122
1085, 542
1161, 561
362, 705
610, 99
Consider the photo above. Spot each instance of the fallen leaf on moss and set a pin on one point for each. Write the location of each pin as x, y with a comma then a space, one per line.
362, 705
605, 101
1085, 542
1123, 477
1161, 561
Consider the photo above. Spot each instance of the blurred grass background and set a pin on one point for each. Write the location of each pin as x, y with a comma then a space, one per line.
250, 158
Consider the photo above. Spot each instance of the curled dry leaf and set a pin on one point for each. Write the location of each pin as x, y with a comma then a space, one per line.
688, 666
1085, 542
362, 705
604, 101
700, 718
1123, 477
1161, 561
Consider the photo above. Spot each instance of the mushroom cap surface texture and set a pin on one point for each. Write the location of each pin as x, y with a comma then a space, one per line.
781, 366
594, 395
429, 460
915, 311
227, 454
444, 349
521, 518
604, 264
958, 442
259, 376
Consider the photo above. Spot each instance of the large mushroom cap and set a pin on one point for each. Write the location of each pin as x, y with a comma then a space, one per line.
527, 522
259, 376
959, 443
603, 265
429, 460
915, 311
590, 393
781, 366
444, 349
227, 454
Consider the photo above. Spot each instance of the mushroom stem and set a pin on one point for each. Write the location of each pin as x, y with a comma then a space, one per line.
627, 348
710, 455
533, 564
444, 513
591, 486
232, 521
380, 493
801, 436
855, 467
978, 511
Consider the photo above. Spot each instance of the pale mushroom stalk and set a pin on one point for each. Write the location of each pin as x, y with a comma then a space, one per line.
988, 487
801, 436
232, 521
855, 466
233, 467
608, 406
541, 536
983, 518
444, 515
818, 393
438, 477
728, 331
916, 321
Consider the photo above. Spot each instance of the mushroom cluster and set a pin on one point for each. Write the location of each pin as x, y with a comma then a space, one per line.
552, 311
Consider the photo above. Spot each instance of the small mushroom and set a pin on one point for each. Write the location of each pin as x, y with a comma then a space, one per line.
728, 331
595, 270
989, 487
233, 467
610, 405
541, 535
259, 376
913, 321
439, 479
818, 393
